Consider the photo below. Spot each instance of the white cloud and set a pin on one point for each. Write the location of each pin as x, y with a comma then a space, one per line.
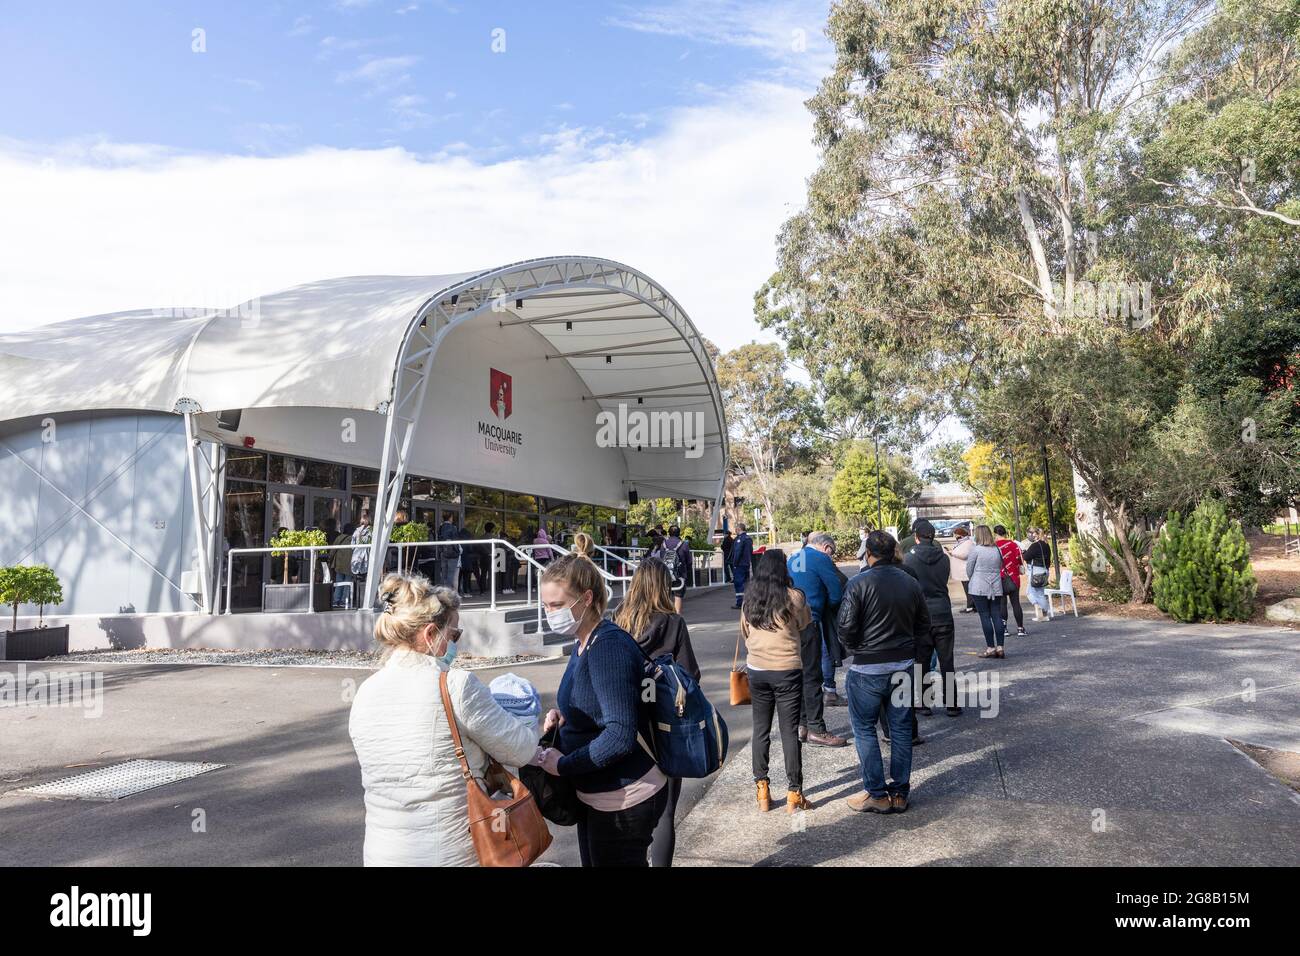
788, 33
380, 73
94, 227
301, 26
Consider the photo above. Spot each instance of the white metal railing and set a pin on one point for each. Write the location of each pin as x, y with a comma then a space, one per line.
531, 566
609, 577
704, 561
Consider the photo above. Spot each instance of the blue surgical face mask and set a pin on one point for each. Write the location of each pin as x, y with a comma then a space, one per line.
449, 655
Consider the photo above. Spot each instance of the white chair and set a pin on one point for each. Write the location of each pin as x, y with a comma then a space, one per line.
1066, 590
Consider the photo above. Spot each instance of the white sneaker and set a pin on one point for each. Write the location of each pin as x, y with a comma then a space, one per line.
508, 591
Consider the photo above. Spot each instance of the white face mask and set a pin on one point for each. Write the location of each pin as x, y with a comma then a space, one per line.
562, 621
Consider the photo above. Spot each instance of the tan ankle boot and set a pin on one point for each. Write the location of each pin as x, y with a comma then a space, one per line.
794, 801
764, 797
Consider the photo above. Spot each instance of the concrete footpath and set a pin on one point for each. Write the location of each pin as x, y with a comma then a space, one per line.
1109, 745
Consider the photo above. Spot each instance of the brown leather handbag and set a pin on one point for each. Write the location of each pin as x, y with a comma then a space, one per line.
508, 832
739, 678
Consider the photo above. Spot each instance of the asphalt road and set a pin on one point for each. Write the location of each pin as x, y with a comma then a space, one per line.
1129, 717
290, 793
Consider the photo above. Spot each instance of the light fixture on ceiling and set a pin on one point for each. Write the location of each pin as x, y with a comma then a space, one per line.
568, 326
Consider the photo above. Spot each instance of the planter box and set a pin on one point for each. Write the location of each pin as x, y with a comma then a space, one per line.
34, 643
293, 597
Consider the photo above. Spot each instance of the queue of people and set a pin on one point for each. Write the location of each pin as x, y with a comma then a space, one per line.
801, 620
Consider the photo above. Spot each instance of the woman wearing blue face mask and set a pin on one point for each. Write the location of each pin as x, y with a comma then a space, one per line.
417, 811
622, 791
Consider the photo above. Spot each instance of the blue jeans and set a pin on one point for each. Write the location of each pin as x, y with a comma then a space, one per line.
866, 693
341, 594
828, 659
990, 612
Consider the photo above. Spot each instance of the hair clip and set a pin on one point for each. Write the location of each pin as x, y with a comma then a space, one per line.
389, 600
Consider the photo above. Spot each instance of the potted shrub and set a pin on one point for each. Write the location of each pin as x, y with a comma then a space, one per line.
37, 585
289, 596
411, 531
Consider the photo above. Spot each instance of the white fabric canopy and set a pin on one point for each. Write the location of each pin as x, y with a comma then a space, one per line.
335, 343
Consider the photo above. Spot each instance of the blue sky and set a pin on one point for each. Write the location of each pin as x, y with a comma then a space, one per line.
313, 140
420, 74
360, 137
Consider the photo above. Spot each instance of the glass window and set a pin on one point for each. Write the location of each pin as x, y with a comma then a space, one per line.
477, 518
521, 523
365, 481
476, 497
288, 470
558, 506
361, 504
430, 489
242, 463
288, 511
527, 504
245, 515
516, 525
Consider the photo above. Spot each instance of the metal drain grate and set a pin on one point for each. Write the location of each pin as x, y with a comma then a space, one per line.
120, 780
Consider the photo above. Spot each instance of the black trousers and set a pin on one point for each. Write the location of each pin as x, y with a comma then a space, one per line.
939, 640
664, 840
782, 692
810, 654
1015, 606
620, 837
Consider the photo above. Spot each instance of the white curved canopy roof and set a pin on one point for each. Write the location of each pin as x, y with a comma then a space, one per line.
337, 343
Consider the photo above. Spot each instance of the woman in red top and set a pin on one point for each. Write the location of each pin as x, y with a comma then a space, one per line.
1011, 562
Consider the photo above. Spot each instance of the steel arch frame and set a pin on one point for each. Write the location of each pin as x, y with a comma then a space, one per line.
490, 291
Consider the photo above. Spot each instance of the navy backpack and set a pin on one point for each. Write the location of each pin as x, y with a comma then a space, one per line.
688, 736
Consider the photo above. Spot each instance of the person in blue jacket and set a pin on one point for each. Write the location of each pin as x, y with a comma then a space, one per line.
813, 569
742, 557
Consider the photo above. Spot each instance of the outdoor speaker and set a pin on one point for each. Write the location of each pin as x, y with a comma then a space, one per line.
229, 419
633, 497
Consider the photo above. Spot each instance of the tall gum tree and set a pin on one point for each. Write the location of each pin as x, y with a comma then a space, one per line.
965, 213
769, 416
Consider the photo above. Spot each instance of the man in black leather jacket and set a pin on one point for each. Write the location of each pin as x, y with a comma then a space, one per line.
882, 613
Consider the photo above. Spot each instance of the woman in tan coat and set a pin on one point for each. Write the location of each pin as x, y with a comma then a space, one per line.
773, 615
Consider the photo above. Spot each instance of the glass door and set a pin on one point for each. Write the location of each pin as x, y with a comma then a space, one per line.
245, 527
286, 510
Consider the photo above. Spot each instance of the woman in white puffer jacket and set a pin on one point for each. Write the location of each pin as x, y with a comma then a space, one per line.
416, 802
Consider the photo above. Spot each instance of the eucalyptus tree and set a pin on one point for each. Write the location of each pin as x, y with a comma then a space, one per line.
771, 419
976, 222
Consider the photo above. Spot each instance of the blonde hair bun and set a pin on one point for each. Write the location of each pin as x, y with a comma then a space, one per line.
411, 601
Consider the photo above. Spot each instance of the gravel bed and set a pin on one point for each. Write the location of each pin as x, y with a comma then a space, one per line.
270, 657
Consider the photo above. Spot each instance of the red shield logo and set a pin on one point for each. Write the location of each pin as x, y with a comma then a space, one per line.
500, 399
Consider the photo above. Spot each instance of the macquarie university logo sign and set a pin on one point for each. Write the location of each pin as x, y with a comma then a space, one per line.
502, 390
496, 438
